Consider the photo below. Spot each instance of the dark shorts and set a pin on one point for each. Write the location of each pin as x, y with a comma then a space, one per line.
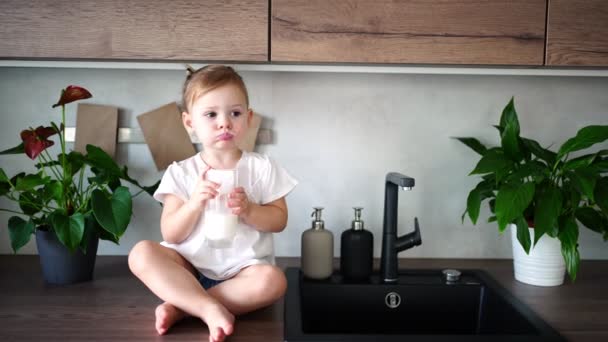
207, 282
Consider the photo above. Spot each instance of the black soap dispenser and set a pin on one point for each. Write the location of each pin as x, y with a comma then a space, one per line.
356, 250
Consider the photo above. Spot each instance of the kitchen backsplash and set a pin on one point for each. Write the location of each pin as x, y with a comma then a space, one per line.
338, 134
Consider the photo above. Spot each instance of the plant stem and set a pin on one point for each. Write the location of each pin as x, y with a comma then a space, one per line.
139, 192
80, 182
24, 201
12, 211
62, 140
558, 161
47, 161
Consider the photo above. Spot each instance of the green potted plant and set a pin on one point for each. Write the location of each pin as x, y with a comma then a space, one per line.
540, 192
67, 214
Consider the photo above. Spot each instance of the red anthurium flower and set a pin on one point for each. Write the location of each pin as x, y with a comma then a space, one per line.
71, 94
36, 141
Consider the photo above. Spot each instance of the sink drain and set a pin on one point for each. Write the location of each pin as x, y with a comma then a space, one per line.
392, 300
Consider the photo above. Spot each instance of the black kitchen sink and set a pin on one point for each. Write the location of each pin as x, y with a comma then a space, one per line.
421, 306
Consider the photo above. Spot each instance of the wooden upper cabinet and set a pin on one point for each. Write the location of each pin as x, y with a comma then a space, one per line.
135, 29
577, 33
508, 32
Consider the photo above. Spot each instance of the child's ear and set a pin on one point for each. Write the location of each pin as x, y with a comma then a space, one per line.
187, 121
249, 116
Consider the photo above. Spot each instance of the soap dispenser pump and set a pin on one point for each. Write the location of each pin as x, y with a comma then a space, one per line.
356, 250
317, 249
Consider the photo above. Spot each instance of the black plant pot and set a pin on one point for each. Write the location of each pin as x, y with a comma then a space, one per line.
59, 265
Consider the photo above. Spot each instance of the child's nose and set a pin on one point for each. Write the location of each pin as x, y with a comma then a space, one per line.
224, 122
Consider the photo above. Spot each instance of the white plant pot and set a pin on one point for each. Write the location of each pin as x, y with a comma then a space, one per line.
544, 266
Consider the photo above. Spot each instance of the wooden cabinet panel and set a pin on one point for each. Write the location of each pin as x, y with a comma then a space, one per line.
577, 33
135, 29
409, 31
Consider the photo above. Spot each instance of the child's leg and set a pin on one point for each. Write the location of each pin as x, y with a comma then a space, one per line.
172, 278
252, 288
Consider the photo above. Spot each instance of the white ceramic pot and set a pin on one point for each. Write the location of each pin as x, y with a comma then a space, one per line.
544, 266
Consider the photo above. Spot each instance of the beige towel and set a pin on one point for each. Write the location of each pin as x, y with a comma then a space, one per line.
166, 135
248, 142
96, 125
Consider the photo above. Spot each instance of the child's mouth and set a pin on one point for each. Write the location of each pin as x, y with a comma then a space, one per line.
225, 136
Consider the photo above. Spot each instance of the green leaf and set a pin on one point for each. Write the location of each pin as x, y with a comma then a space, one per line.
584, 180
542, 153
579, 162
527, 155
591, 219
17, 176
568, 237
5, 187
600, 165
31, 181
29, 203
73, 162
90, 232
547, 210
15, 150
152, 188
474, 204
523, 233
571, 195
585, 137
54, 190
105, 235
494, 160
114, 213
3, 176
473, 143
20, 232
96, 157
508, 115
482, 191
534, 169
601, 194
69, 229
510, 133
511, 201
499, 128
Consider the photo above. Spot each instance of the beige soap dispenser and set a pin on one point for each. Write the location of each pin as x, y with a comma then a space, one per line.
317, 249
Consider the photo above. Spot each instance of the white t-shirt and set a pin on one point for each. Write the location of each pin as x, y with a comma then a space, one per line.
263, 180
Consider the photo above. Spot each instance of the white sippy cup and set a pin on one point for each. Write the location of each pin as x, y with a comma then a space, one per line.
220, 224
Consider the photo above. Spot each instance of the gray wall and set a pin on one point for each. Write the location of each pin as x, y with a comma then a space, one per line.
338, 134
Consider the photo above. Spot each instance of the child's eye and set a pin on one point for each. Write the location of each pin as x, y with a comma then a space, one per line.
211, 114
236, 113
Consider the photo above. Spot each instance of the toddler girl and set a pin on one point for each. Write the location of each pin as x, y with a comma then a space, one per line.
190, 275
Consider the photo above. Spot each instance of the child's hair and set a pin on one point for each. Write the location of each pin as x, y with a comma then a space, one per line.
199, 82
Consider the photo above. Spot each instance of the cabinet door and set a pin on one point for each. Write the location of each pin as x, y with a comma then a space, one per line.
409, 31
135, 29
577, 33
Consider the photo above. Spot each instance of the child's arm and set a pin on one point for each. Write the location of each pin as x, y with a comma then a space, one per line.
270, 217
178, 217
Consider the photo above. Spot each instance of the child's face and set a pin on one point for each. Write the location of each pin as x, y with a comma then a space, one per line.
220, 118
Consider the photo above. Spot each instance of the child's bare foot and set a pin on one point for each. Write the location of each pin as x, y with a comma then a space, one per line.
166, 316
219, 320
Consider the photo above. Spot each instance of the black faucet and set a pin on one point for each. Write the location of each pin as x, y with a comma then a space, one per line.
391, 244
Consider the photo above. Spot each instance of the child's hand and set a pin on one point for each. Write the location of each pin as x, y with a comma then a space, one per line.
204, 190
239, 202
